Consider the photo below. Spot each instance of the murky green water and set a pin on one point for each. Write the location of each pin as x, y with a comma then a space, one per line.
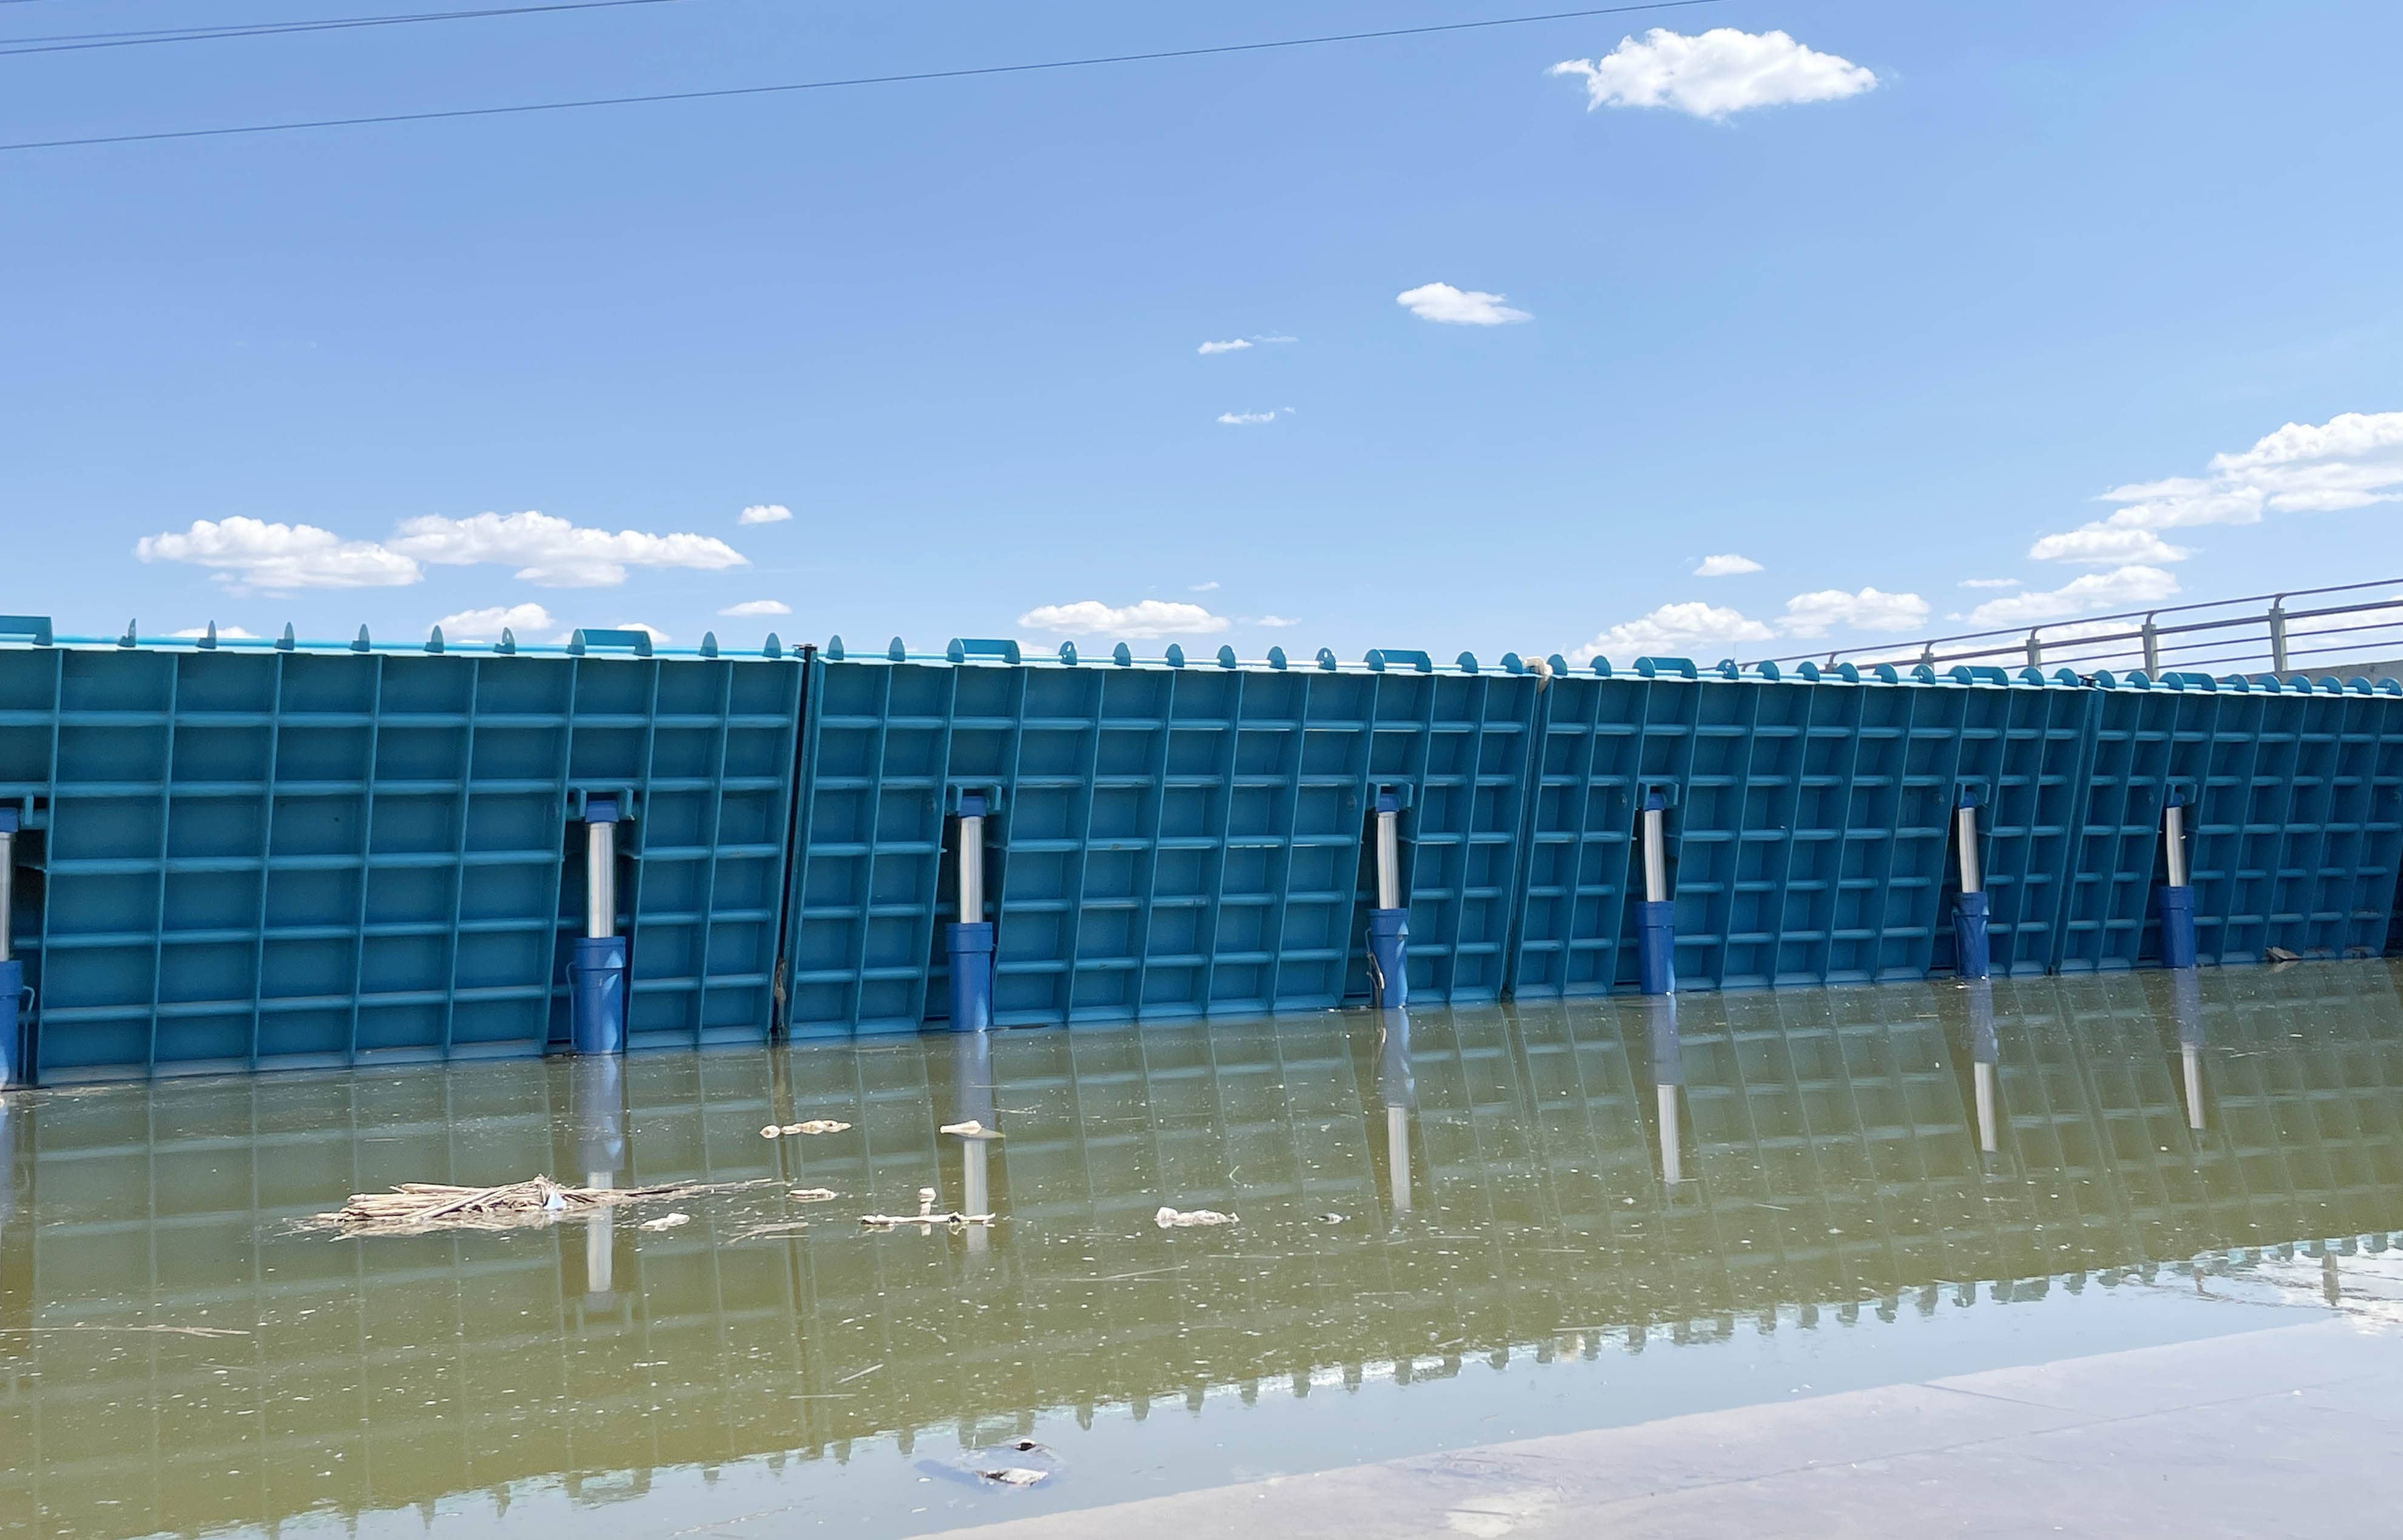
1450, 1234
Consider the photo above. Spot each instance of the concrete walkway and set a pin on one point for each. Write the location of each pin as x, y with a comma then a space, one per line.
2266, 1432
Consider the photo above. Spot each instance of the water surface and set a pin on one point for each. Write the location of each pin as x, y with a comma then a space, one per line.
1453, 1230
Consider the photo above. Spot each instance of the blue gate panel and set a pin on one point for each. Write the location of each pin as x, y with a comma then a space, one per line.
277, 857
1168, 841
2295, 818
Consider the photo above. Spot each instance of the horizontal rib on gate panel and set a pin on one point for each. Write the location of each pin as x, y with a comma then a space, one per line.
283, 857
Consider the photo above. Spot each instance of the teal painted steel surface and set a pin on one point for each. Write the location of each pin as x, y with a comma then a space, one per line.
2295, 796
241, 856
273, 857
1169, 840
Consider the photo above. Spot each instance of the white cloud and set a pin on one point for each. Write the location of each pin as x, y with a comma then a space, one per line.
758, 607
1209, 587
1246, 419
1459, 307
1676, 630
1276, 337
486, 624
1232, 346
2126, 587
765, 513
2350, 461
1274, 622
1989, 582
1871, 609
1720, 71
658, 636
252, 553
2103, 545
554, 552
225, 634
1146, 618
1727, 565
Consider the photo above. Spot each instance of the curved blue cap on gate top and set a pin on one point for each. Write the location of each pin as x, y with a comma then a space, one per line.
1652, 668
1175, 658
32, 628
1069, 653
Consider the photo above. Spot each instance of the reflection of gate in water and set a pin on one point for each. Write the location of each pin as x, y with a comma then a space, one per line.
1833, 1165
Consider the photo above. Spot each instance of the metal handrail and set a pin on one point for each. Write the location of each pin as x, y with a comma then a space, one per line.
2073, 640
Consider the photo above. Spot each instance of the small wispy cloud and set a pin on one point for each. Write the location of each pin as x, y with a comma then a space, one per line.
758, 607
1246, 419
1146, 618
1989, 582
1235, 344
1727, 565
486, 624
1453, 307
1204, 588
765, 513
1273, 622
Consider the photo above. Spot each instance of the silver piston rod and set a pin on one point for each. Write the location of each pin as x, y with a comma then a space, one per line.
1656, 857
8, 891
599, 880
971, 874
2174, 842
1964, 819
1389, 860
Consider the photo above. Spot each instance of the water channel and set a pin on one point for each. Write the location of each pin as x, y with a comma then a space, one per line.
1451, 1229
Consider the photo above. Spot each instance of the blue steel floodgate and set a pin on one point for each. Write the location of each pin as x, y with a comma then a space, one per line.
238, 855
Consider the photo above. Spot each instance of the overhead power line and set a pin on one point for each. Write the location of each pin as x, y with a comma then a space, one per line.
726, 92
77, 42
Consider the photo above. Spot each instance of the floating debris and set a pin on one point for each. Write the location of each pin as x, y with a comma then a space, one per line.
665, 1221
1330, 1220
815, 1125
924, 1217
970, 1130
761, 1232
2279, 954
1016, 1475
1168, 1218
414, 1208
812, 1195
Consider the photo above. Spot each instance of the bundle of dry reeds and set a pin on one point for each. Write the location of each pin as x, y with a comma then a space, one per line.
414, 1208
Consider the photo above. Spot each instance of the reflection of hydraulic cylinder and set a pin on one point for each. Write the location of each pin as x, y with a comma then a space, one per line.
972, 1102
596, 1102
1656, 934
1970, 911
1667, 1074
1389, 923
2176, 895
1398, 1089
1985, 1052
970, 939
2186, 1004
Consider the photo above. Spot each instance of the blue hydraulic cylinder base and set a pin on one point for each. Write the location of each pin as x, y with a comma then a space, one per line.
1969, 936
1389, 957
2178, 925
970, 945
1656, 946
596, 996
16, 1039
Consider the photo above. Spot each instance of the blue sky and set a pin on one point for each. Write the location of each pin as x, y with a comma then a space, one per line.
1879, 305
